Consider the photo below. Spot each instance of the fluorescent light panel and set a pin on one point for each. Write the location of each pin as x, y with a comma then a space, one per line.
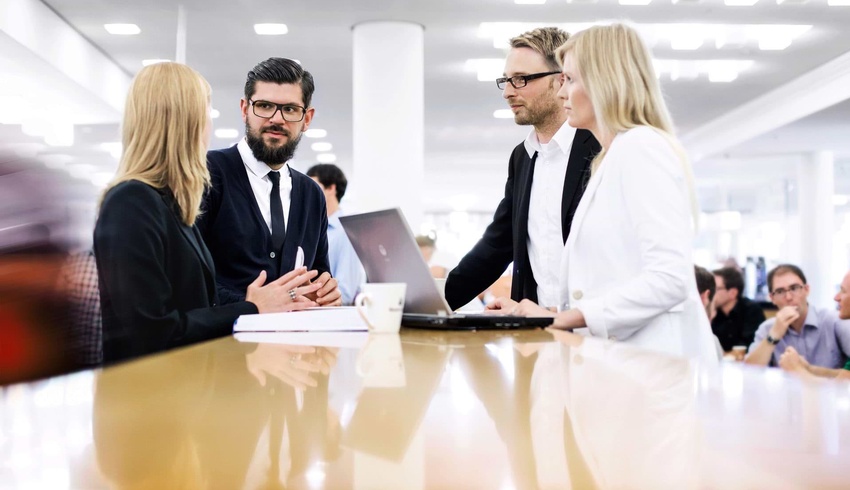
154, 61
315, 133
271, 29
503, 114
326, 157
322, 146
122, 29
226, 133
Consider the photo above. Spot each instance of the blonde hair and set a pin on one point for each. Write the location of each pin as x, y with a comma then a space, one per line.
544, 41
164, 134
619, 78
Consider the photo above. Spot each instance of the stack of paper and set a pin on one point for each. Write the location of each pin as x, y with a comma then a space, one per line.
328, 319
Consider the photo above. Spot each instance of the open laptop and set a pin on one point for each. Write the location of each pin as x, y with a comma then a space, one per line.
386, 247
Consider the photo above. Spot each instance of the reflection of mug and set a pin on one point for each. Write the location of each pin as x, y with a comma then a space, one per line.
381, 305
380, 363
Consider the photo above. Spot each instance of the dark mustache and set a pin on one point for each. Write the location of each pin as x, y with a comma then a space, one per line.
277, 129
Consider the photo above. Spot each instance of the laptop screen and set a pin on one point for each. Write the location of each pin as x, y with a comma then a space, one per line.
389, 253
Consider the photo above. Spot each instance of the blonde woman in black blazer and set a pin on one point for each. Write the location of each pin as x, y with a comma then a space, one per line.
157, 279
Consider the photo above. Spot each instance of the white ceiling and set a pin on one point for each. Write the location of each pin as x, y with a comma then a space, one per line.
461, 136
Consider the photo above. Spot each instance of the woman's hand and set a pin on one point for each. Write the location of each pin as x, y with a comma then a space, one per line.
284, 294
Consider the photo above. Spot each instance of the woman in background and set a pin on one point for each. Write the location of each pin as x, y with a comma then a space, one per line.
156, 276
627, 272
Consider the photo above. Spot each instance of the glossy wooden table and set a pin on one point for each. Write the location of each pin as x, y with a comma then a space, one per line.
423, 410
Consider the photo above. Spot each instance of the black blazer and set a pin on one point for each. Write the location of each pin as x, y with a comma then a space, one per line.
156, 277
506, 238
238, 237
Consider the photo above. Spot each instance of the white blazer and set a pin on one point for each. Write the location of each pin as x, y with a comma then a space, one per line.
627, 264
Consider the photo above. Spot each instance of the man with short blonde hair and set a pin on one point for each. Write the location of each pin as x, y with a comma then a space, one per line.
551, 166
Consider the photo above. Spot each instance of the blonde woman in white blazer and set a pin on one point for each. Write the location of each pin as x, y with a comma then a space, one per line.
626, 271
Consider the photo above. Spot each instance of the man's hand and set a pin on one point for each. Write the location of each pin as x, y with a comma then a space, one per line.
328, 293
784, 318
501, 305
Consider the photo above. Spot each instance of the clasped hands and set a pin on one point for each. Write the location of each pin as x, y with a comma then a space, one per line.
296, 290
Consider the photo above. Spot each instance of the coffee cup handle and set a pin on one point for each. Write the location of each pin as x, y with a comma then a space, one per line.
363, 300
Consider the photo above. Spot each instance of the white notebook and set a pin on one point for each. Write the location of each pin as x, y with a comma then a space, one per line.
327, 319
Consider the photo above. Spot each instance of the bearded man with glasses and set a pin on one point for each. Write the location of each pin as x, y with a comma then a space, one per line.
817, 334
259, 214
547, 174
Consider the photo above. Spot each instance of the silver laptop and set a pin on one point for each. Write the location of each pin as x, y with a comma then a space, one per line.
389, 253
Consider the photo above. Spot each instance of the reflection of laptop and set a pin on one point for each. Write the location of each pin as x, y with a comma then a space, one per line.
389, 253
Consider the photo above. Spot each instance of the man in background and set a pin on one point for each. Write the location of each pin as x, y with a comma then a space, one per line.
737, 317
345, 265
815, 333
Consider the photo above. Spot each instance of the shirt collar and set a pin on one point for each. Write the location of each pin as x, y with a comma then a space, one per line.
812, 317
562, 140
259, 168
333, 220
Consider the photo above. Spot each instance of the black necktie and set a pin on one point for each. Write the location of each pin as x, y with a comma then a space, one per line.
278, 224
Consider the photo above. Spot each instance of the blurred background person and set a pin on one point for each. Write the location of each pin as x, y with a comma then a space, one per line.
156, 276
345, 265
35, 311
737, 317
815, 333
428, 245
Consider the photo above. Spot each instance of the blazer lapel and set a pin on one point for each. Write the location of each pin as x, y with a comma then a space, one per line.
193, 237
578, 164
525, 200
584, 204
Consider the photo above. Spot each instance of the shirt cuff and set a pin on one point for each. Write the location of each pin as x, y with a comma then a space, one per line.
594, 316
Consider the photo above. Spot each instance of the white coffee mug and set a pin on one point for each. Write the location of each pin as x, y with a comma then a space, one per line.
381, 305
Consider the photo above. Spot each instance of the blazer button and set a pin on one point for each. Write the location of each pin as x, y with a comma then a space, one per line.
271, 255
577, 294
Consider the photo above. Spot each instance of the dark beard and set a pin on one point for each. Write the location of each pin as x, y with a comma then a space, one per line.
271, 156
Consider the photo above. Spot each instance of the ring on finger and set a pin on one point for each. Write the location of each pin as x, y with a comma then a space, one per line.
292, 294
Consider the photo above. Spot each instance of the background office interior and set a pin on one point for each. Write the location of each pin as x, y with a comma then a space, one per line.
758, 90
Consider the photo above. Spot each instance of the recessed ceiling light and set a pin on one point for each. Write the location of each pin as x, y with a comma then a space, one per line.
154, 61
122, 29
214, 113
270, 29
326, 157
322, 146
503, 114
316, 133
487, 69
226, 133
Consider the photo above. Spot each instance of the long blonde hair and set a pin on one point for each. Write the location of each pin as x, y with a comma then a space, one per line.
616, 68
164, 134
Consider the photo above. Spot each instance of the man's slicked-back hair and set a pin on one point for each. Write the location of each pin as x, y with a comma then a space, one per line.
329, 174
732, 278
705, 281
784, 269
280, 71
543, 40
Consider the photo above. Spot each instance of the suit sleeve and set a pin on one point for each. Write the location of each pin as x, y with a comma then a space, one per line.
210, 207
489, 257
322, 263
654, 190
131, 257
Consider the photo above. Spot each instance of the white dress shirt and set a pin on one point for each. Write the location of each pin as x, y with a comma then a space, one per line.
545, 235
258, 176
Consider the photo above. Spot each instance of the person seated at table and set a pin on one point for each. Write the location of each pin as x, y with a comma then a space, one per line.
792, 361
626, 270
156, 276
818, 334
737, 317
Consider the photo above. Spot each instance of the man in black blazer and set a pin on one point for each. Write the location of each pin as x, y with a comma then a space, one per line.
529, 228
260, 214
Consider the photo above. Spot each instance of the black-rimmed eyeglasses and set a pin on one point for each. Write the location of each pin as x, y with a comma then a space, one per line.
520, 81
794, 289
267, 110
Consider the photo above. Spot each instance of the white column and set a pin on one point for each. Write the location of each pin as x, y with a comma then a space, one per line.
816, 179
388, 117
